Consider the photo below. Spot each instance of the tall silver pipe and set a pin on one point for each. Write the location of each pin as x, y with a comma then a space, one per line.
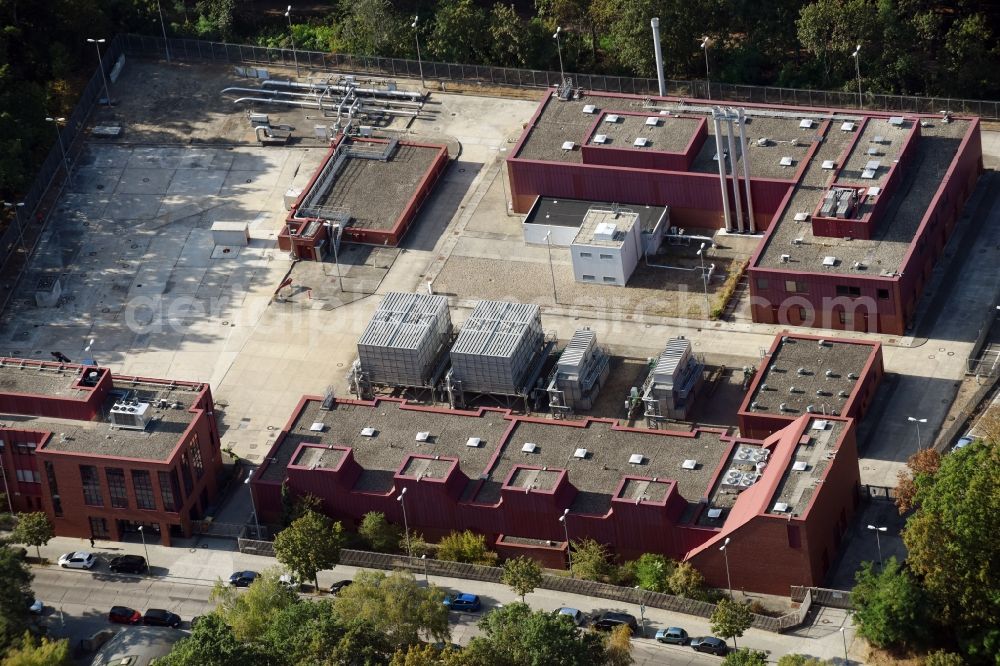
721, 154
746, 170
658, 52
737, 197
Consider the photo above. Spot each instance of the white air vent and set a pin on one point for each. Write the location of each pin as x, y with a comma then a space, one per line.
867, 174
580, 453
786, 161
568, 145
600, 138
800, 466
131, 415
801, 217
589, 108
828, 164
873, 151
797, 241
611, 118
529, 447
317, 426
896, 121
878, 138
640, 142
785, 258
847, 127
781, 507
423, 436
368, 432
473, 442
714, 513
636, 459
653, 122
689, 464
873, 165
820, 424
874, 191
805, 123
829, 261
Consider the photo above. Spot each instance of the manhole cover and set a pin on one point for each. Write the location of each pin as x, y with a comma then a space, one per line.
248, 180
86, 224
931, 356
225, 250
92, 254
134, 246
100, 187
138, 286
145, 180
940, 348
340, 365
105, 310
225, 323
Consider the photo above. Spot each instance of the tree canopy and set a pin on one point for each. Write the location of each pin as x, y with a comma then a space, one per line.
731, 619
521, 574
33, 529
309, 545
15, 596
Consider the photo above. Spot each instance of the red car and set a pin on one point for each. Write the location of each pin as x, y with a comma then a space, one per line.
124, 615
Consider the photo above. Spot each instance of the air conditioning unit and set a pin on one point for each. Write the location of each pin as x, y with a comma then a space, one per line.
130, 415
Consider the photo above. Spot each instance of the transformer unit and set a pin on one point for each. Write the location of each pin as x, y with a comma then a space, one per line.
673, 382
579, 375
131, 415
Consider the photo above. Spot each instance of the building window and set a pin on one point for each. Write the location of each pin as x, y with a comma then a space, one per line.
50, 474
116, 486
844, 290
170, 491
28, 476
186, 474
607, 256
793, 287
24, 448
586, 255
588, 278
610, 280
143, 485
99, 528
803, 314
883, 294
762, 283
846, 318
91, 486
196, 462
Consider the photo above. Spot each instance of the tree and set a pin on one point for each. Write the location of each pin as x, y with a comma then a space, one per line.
618, 646
831, 29
211, 643
457, 35
686, 581
730, 619
521, 574
396, 606
590, 560
428, 655
371, 27
379, 534
745, 657
33, 529
15, 596
309, 545
924, 461
41, 653
517, 636
889, 606
249, 614
942, 658
315, 633
800, 660
952, 543
652, 572
467, 547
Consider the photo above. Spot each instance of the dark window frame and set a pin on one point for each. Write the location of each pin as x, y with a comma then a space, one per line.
115, 477
142, 484
90, 482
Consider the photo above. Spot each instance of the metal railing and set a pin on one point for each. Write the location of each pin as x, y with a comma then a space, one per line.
242, 54
822, 596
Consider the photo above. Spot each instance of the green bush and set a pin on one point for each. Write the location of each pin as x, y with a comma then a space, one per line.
467, 547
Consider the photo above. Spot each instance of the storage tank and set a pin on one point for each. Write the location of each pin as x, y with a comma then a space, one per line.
405, 339
497, 348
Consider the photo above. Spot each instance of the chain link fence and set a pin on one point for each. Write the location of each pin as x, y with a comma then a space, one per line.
241, 54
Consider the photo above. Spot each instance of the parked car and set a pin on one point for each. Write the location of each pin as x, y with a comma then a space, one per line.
81, 559
672, 636
289, 581
128, 564
158, 617
609, 620
963, 442
243, 578
124, 615
579, 619
463, 602
710, 644
36, 608
340, 585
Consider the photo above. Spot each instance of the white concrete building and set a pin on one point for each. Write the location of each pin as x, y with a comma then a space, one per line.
608, 246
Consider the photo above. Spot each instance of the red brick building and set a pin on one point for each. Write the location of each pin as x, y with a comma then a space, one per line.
855, 207
512, 478
104, 454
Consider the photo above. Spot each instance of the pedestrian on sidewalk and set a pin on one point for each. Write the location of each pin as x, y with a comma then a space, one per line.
91, 542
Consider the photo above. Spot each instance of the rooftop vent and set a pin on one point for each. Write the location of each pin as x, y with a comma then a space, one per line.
822, 343
781, 507
820, 424
847, 127
473, 442
580, 454
852, 375
653, 122
568, 145
753, 405
131, 415
317, 426
636, 459
878, 138
786, 161
785, 258
874, 191
600, 138
828, 164
829, 261
858, 266
803, 371
800, 466
805, 123
423, 436
640, 142
844, 394
529, 447
714, 513
611, 118
798, 241
690, 463
896, 121
589, 108
810, 409
763, 141
368, 432
783, 407
868, 174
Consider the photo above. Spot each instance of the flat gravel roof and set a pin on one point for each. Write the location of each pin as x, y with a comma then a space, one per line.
41, 380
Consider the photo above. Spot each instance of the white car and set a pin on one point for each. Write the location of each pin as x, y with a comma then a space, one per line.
78, 560
37, 608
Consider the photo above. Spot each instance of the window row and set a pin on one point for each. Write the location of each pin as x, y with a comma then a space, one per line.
142, 484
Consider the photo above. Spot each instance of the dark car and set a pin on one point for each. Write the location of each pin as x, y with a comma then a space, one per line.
608, 621
340, 585
124, 615
243, 578
157, 617
463, 602
710, 644
672, 636
128, 564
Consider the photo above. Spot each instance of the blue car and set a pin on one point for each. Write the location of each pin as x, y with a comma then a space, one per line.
463, 602
243, 578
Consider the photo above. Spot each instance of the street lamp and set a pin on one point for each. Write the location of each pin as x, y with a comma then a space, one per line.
843, 635
253, 506
416, 37
100, 65
406, 526
163, 27
552, 271
142, 535
725, 553
569, 553
291, 35
878, 542
642, 613
857, 68
912, 419
424, 559
62, 148
708, 82
704, 275
555, 36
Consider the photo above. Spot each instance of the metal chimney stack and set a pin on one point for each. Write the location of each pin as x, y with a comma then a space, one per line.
659, 56
721, 154
737, 197
746, 170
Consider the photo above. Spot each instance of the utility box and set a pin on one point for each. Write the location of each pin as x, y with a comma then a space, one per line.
233, 234
48, 291
292, 195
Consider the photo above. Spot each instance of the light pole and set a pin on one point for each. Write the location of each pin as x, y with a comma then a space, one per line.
857, 69
878, 543
917, 421
704, 276
843, 635
142, 535
642, 613
725, 552
253, 505
708, 81
569, 553
416, 37
555, 36
336, 259
552, 272
55, 122
424, 558
291, 35
100, 64
406, 526
163, 27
